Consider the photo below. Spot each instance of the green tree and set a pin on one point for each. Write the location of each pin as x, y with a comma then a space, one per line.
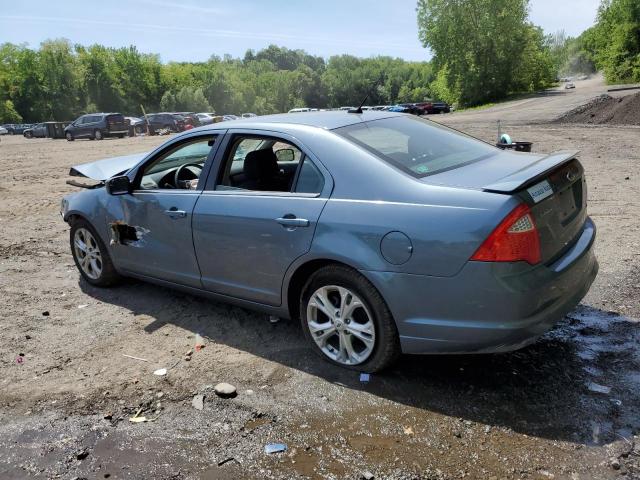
60, 80
615, 40
483, 43
8, 113
168, 102
191, 99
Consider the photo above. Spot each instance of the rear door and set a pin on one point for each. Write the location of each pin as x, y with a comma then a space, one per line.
246, 239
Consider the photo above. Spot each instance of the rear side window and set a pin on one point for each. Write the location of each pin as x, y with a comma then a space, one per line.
310, 180
416, 146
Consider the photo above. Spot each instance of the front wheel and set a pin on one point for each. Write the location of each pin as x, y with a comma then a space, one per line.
69, 137
347, 321
98, 135
91, 256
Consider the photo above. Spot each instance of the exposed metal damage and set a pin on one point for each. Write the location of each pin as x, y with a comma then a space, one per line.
123, 234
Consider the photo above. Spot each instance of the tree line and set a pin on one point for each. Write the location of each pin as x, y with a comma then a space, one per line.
482, 51
60, 81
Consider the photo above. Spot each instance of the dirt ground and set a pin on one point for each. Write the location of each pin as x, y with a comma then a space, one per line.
566, 407
606, 110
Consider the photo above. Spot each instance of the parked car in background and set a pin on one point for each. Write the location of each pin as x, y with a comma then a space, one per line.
413, 109
96, 126
229, 117
424, 241
569, 85
134, 125
206, 118
299, 110
156, 122
248, 115
191, 120
17, 128
39, 130
3, 130
406, 108
434, 106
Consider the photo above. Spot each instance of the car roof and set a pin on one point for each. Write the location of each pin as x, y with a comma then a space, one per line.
325, 120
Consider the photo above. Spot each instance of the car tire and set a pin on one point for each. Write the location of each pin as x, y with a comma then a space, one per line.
69, 137
384, 341
98, 135
100, 272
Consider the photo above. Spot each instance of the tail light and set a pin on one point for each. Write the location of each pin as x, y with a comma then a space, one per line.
515, 239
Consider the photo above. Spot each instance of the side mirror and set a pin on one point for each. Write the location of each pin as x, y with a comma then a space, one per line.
285, 155
118, 185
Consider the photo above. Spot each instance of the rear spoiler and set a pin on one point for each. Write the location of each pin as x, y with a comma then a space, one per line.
530, 174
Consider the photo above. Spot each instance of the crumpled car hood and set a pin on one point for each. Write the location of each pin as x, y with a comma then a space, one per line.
107, 167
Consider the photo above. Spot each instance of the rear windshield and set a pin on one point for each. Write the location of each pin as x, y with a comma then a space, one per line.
115, 118
416, 146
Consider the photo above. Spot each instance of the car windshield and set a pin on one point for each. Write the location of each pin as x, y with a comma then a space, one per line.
416, 146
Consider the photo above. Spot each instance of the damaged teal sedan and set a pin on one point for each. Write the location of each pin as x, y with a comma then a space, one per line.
383, 233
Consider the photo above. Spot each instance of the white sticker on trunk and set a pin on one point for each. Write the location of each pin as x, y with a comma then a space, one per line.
540, 191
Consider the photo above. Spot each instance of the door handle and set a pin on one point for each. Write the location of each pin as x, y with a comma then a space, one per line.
175, 213
292, 221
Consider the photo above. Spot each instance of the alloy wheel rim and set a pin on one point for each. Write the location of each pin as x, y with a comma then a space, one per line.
341, 325
87, 253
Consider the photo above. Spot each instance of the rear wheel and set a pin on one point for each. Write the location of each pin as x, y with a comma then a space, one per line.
98, 135
347, 321
91, 256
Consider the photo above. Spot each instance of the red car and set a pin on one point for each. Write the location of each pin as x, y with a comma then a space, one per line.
433, 106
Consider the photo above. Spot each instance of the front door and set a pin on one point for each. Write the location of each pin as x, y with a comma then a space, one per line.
154, 236
258, 216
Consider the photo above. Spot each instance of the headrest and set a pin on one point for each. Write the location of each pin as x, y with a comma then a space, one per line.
260, 164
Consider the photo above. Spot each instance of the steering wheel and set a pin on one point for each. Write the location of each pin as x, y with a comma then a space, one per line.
183, 168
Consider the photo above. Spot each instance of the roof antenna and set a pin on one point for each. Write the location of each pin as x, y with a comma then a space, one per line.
359, 109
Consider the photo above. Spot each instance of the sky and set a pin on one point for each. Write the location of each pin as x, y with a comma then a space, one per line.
193, 30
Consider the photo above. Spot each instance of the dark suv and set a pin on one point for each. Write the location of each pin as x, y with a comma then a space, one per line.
162, 121
96, 126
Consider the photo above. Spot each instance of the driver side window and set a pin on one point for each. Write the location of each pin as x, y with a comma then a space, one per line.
179, 167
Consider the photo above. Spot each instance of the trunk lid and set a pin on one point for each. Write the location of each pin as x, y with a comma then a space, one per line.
552, 185
561, 211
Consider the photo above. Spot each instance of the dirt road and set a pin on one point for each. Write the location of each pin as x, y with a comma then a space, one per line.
565, 407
